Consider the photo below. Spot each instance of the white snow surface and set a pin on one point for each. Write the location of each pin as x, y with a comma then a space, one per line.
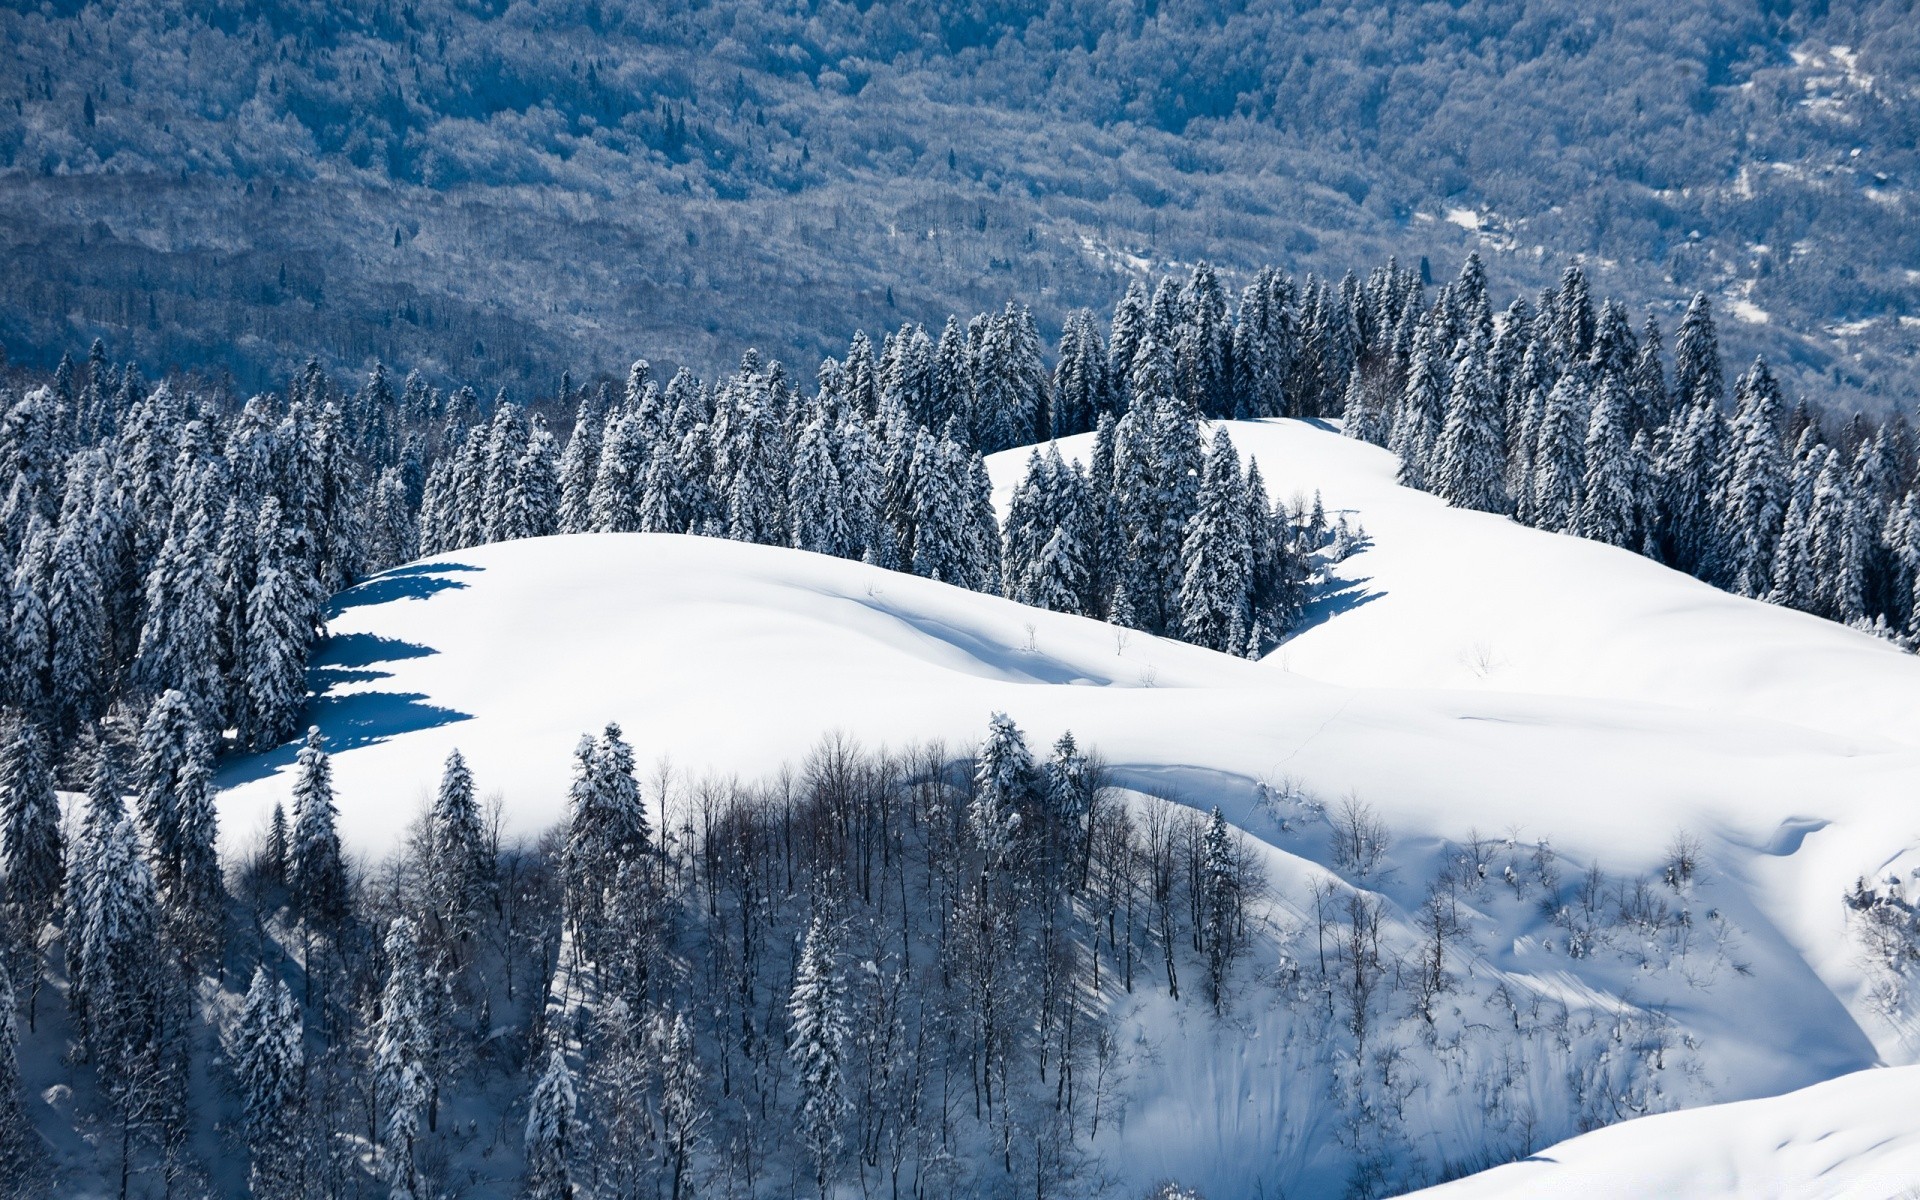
1463, 673
1852, 1138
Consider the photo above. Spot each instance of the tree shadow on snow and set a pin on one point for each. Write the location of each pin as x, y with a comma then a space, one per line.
416, 582
348, 722
1338, 596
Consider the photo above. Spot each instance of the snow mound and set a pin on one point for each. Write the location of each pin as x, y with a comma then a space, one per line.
1851, 1137
1447, 598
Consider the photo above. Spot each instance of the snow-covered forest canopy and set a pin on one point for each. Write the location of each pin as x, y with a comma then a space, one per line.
873, 970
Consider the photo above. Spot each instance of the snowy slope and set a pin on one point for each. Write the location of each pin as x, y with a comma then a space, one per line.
1853, 1137
1623, 703
1455, 599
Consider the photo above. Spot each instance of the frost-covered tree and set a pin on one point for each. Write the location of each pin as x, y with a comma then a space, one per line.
1469, 468
1216, 572
174, 800
267, 1050
1560, 453
316, 872
607, 826
1419, 421
818, 1028
402, 1044
1004, 790
1696, 357
460, 862
1070, 787
19, 1153
817, 501
1220, 904
553, 1135
283, 616
1608, 506
32, 855
1757, 485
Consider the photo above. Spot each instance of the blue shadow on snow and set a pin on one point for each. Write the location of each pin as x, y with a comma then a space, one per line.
416, 582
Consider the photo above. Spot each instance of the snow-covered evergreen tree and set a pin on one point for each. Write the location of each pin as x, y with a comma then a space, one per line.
266, 1048
1004, 791
1609, 509
174, 778
32, 854
1216, 571
283, 615
316, 872
1757, 485
402, 1044
554, 1137
1418, 423
1469, 467
818, 1033
460, 861
1559, 452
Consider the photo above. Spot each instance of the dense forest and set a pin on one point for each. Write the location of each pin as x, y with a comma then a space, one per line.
499, 190
893, 953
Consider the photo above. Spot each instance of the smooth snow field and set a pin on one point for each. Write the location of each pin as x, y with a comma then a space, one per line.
1462, 674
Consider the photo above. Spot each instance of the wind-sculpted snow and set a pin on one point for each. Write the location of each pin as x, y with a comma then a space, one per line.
1473, 677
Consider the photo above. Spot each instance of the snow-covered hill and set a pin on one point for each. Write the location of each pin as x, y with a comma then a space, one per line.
1848, 1139
1467, 676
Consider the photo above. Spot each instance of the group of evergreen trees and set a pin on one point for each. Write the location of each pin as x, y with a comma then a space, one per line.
1558, 414
166, 538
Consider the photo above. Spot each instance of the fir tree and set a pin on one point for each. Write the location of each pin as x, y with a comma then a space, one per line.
1004, 784
316, 873
1696, 357
1219, 904
1559, 453
269, 1063
175, 804
818, 1037
283, 615
1470, 459
32, 855
402, 1042
1418, 424
19, 1155
1216, 571
1757, 485
817, 498
460, 863
553, 1133
1608, 506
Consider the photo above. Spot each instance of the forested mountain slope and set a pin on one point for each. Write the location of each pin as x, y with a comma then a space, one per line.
502, 190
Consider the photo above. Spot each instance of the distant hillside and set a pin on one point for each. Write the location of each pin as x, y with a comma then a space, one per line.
500, 191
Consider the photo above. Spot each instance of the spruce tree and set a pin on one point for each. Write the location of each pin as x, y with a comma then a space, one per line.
1608, 505
819, 1033
1004, 790
1696, 357
1417, 425
1215, 560
553, 1133
316, 872
460, 864
32, 856
174, 778
1470, 459
402, 1043
283, 616
1559, 453
268, 1054
1757, 484
19, 1155
816, 499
